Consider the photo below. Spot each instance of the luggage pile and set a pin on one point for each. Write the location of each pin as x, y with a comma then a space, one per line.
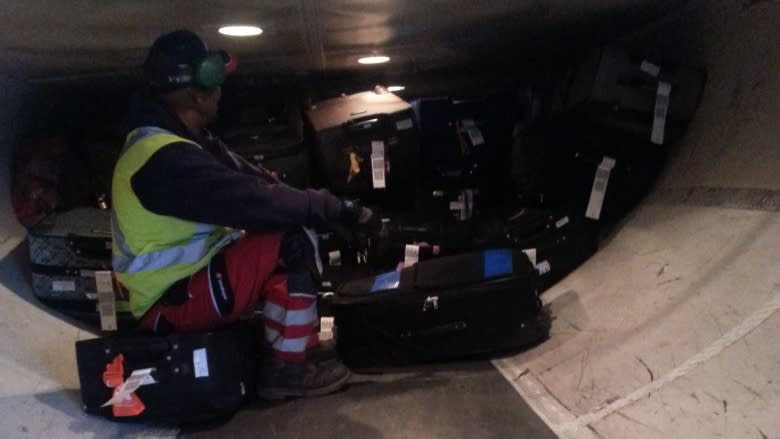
465, 185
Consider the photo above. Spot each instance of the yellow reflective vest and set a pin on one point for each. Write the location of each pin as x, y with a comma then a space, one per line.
151, 252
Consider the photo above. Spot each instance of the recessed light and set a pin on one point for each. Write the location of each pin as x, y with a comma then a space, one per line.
393, 88
374, 59
240, 31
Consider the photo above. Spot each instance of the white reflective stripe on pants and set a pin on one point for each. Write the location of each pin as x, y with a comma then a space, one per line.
287, 318
281, 344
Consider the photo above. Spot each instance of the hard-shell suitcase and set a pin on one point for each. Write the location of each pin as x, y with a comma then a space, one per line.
366, 146
468, 305
614, 89
176, 378
66, 249
556, 242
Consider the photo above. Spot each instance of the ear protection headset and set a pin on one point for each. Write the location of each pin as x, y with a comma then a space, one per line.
206, 72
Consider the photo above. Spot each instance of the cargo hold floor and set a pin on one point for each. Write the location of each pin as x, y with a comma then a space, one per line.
463, 400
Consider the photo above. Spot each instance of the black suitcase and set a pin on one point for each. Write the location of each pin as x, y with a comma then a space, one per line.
466, 145
617, 90
274, 141
194, 377
366, 145
469, 305
66, 249
555, 242
441, 157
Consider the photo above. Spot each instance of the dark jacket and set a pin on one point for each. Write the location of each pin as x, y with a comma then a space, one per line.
213, 185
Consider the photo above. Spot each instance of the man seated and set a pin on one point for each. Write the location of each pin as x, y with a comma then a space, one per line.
202, 237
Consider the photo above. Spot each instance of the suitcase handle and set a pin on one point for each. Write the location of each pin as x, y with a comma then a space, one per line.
87, 246
362, 124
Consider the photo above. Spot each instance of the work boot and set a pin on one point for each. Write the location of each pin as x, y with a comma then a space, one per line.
280, 379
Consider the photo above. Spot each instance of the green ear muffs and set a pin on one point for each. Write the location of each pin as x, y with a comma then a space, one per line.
210, 72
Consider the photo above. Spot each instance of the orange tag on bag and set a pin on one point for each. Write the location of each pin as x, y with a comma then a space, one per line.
124, 402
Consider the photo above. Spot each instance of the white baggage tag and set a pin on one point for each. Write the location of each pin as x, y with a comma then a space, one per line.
63, 285
661, 110
411, 255
543, 267
334, 258
599, 188
377, 148
650, 68
404, 124
531, 253
106, 300
475, 135
562, 222
468, 199
200, 363
378, 164
138, 378
326, 328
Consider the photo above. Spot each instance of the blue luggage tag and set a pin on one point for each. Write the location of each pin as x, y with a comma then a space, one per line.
497, 263
386, 281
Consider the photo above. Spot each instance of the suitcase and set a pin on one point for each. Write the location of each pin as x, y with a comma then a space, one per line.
286, 155
555, 242
66, 249
466, 145
274, 140
366, 146
441, 157
190, 377
602, 175
469, 305
410, 238
619, 91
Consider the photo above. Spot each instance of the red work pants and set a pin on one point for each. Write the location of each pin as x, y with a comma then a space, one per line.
247, 278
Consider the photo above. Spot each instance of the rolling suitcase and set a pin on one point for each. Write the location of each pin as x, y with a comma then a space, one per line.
476, 304
366, 146
66, 249
273, 140
555, 242
176, 378
627, 93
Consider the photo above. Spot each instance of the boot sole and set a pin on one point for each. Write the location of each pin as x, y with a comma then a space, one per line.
276, 393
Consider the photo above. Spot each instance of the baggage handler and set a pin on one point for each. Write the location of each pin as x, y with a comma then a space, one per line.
201, 237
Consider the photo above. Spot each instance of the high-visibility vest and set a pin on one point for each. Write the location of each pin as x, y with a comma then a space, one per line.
151, 252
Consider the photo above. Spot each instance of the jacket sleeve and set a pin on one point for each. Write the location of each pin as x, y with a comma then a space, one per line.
186, 182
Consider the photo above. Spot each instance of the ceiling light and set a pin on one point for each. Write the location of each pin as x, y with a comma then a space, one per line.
374, 59
393, 88
240, 31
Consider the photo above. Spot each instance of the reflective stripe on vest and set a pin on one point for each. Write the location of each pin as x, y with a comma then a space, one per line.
188, 253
